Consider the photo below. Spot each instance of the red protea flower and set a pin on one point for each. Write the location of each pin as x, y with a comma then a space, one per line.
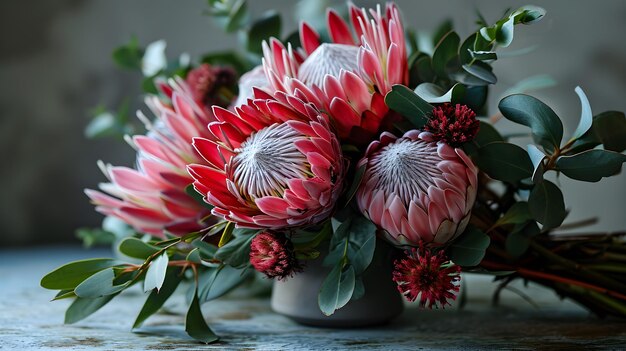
273, 255
351, 75
417, 189
273, 164
454, 124
431, 277
152, 197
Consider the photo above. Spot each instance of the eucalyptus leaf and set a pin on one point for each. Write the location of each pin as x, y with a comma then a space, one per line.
469, 249
518, 213
237, 16
99, 284
82, 308
530, 84
518, 241
337, 289
446, 50
267, 26
236, 252
404, 101
505, 31
70, 275
536, 157
546, 127
547, 205
433, 93
155, 276
219, 281
608, 128
591, 165
136, 248
481, 71
195, 325
586, 116
504, 161
157, 298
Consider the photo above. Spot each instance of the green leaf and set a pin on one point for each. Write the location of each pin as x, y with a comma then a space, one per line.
262, 29
102, 125
422, 69
446, 50
505, 31
195, 325
99, 284
129, 56
228, 58
155, 276
311, 239
68, 276
216, 282
481, 71
487, 134
518, 213
536, 157
483, 55
207, 251
469, 249
354, 239
82, 308
591, 165
404, 101
136, 248
546, 127
237, 16
608, 128
529, 14
356, 182
64, 294
236, 252
337, 289
504, 161
547, 205
95, 236
586, 116
157, 298
518, 241
444, 28
227, 234
433, 93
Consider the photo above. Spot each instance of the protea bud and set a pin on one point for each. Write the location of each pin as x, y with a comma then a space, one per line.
431, 277
212, 85
273, 255
454, 124
417, 189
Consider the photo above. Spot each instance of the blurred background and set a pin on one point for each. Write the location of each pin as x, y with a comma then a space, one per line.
55, 66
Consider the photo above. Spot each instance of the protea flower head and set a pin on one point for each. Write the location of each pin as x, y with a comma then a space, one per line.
273, 164
454, 124
273, 255
152, 197
350, 76
417, 189
429, 276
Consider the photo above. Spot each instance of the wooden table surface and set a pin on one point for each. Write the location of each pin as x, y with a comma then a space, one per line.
28, 321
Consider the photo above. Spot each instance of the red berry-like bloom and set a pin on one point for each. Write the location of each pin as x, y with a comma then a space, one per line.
272, 254
454, 125
212, 85
430, 276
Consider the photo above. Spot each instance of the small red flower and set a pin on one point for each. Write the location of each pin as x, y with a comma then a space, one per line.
454, 124
207, 84
272, 254
430, 276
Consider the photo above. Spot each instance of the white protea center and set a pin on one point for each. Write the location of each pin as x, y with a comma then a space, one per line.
267, 160
328, 59
406, 168
417, 189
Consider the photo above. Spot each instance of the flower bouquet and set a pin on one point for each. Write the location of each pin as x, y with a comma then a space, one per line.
343, 148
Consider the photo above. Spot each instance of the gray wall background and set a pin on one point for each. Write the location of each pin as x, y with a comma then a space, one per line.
55, 65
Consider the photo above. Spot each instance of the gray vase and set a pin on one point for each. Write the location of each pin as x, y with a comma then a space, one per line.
296, 297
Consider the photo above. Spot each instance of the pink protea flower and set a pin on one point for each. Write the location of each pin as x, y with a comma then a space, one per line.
431, 277
454, 124
152, 197
273, 255
417, 189
273, 164
350, 76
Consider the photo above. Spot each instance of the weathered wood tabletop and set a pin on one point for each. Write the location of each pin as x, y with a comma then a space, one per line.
28, 321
